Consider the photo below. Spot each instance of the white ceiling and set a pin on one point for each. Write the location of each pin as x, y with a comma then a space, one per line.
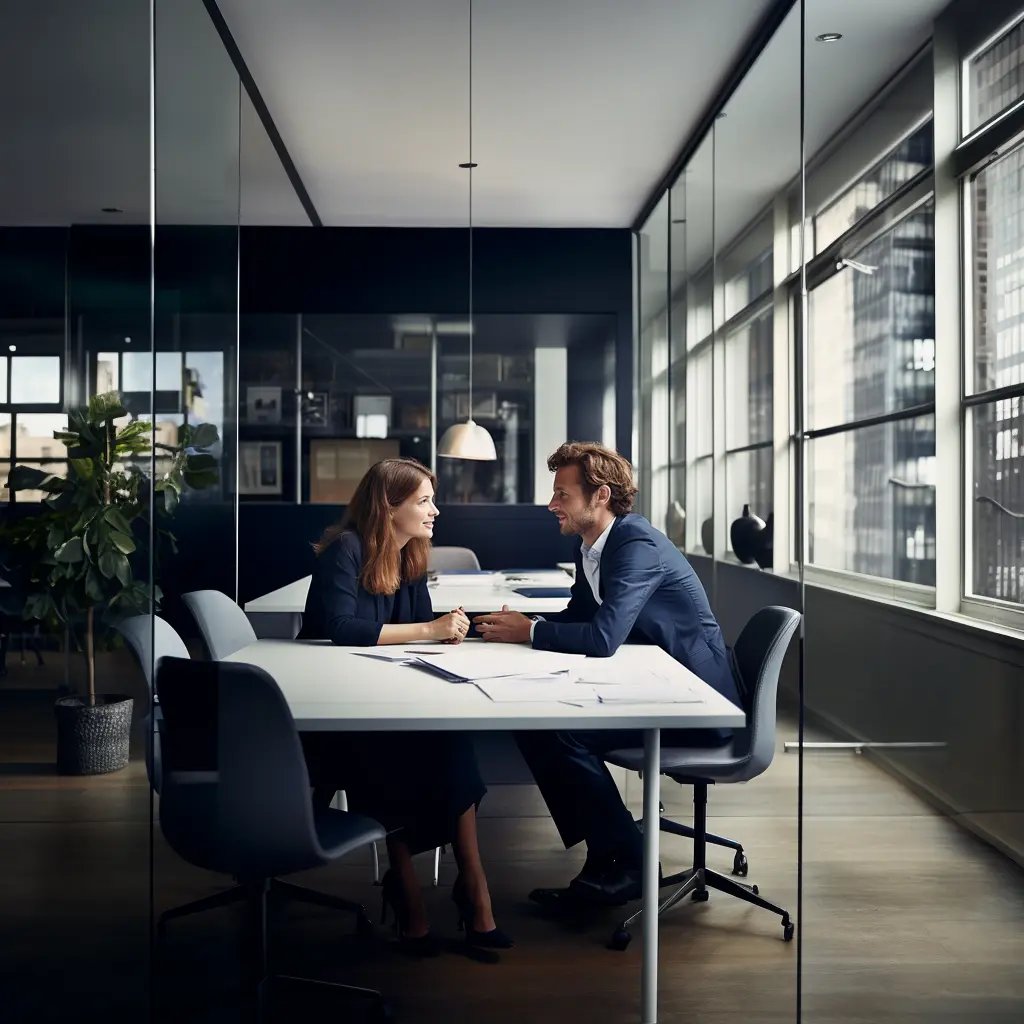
579, 105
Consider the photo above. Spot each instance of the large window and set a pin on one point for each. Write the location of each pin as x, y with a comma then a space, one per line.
31, 400
870, 400
994, 78
994, 439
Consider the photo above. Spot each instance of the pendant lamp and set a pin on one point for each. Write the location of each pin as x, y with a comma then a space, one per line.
469, 440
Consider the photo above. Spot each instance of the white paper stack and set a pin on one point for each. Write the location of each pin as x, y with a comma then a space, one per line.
653, 692
527, 689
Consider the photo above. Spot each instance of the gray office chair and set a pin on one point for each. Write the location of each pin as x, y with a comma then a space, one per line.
236, 800
225, 627
151, 638
450, 559
759, 652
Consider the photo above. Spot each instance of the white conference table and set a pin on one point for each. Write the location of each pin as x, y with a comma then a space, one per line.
448, 592
334, 689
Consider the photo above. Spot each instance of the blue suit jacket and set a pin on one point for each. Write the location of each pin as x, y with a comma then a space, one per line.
340, 609
650, 595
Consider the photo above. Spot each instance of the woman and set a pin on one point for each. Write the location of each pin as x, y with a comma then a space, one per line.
369, 588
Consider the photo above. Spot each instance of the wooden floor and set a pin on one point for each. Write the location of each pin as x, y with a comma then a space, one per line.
906, 918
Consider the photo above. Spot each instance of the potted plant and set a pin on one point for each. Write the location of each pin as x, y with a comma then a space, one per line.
72, 562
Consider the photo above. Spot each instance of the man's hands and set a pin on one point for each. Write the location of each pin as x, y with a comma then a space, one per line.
504, 627
451, 628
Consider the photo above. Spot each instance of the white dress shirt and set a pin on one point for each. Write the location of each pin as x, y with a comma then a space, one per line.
591, 559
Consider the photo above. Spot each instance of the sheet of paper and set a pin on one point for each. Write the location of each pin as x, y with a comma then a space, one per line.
646, 693
524, 689
487, 661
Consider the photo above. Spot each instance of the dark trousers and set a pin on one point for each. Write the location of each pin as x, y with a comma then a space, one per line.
416, 784
581, 795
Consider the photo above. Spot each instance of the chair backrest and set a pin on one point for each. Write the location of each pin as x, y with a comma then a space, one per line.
151, 638
759, 652
448, 559
236, 790
225, 627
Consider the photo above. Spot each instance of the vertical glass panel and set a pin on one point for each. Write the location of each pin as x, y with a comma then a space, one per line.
871, 346
997, 514
74, 799
189, 382
654, 361
749, 400
693, 206
35, 380
997, 273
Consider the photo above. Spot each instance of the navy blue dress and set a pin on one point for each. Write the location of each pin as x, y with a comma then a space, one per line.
416, 782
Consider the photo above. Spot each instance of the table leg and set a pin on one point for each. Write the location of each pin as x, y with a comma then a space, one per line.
652, 819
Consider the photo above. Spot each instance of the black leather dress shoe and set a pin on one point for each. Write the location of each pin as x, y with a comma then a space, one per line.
612, 888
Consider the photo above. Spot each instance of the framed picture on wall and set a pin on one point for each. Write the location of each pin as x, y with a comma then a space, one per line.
259, 467
262, 404
337, 465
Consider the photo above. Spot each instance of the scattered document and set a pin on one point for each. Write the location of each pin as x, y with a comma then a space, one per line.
472, 661
528, 689
646, 693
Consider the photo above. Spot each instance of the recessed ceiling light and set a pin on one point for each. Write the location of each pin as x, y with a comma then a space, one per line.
829, 37
127, 340
111, 209
12, 348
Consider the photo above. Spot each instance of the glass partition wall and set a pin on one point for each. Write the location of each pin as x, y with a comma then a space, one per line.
191, 385
841, 362
715, 327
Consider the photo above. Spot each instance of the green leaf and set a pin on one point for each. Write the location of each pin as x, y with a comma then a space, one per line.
39, 606
106, 407
200, 463
70, 551
123, 570
85, 519
108, 563
85, 469
203, 436
93, 586
116, 520
27, 477
170, 499
122, 542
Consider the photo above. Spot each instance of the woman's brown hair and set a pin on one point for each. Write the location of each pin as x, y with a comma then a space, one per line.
384, 486
598, 465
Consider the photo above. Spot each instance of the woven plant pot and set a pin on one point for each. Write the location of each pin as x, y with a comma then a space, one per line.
92, 739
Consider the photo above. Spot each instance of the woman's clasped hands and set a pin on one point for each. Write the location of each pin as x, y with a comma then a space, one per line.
452, 628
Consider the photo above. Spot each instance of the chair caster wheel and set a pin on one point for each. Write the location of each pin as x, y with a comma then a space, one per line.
754, 889
739, 864
620, 939
788, 928
699, 896
364, 927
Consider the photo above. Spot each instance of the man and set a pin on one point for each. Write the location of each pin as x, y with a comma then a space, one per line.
632, 585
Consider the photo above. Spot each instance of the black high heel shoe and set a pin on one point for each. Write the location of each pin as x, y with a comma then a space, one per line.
392, 894
494, 939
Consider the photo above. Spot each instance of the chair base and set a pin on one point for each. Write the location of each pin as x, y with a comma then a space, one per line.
695, 884
276, 890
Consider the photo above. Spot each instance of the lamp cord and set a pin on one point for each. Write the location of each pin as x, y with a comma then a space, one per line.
470, 416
